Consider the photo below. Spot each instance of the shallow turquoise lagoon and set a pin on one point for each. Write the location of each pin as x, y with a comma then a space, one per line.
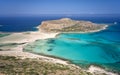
101, 48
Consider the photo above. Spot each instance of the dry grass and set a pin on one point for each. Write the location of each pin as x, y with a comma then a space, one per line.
10, 65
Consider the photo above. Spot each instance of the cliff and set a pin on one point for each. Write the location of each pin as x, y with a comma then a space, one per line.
69, 25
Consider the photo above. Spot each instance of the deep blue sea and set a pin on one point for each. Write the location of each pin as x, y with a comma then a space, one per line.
29, 23
98, 48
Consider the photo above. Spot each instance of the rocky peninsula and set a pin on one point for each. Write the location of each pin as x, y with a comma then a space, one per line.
69, 25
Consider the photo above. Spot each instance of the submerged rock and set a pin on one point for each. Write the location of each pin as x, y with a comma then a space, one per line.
49, 49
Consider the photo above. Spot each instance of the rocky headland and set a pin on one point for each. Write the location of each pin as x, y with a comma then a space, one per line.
69, 25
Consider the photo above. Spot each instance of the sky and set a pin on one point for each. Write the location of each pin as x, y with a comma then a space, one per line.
38, 7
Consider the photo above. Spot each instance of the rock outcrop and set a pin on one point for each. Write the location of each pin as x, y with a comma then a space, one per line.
69, 25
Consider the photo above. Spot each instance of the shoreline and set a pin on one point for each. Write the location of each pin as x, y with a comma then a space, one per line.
31, 37
18, 51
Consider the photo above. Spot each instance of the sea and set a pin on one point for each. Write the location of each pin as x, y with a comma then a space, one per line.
83, 49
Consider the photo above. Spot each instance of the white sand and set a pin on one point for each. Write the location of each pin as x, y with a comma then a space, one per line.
26, 37
98, 70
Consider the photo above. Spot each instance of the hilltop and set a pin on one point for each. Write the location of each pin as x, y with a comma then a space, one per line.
69, 25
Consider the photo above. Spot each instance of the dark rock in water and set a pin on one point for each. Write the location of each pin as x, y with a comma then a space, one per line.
117, 62
73, 39
50, 41
49, 50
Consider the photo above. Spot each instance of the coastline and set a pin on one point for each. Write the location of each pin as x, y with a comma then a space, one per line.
29, 37
95, 69
18, 51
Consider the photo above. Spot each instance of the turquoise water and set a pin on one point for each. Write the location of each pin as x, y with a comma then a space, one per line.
2, 35
100, 48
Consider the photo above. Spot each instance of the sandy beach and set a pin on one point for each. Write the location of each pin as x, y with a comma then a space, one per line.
25, 38
29, 37
97, 70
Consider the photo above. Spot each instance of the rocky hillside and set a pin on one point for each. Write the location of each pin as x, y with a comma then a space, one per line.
69, 25
10, 65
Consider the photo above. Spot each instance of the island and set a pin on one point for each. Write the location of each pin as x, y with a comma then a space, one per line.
69, 25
